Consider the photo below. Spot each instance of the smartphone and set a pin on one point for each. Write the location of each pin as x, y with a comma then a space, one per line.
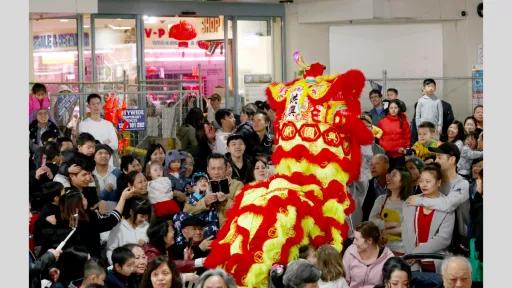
220, 186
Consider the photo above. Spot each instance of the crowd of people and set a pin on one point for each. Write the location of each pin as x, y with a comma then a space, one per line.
98, 222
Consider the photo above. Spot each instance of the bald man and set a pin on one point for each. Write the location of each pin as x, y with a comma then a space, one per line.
456, 272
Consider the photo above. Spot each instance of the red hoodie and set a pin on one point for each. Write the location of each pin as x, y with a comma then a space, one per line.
394, 136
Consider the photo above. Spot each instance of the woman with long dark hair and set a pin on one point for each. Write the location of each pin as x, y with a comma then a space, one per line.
90, 223
455, 134
161, 238
187, 132
426, 230
387, 210
396, 273
395, 138
155, 153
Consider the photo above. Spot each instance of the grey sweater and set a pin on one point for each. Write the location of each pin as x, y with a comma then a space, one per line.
429, 109
457, 198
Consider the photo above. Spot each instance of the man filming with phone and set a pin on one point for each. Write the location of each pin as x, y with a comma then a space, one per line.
219, 195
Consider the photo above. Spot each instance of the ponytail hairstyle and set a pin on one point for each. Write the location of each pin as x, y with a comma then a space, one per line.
370, 231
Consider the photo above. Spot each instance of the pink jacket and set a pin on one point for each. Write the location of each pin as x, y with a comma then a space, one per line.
34, 105
358, 274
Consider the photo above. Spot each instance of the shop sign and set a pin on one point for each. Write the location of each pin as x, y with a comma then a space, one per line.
210, 25
159, 35
52, 41
135, 118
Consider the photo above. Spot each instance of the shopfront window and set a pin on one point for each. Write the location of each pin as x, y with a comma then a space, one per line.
183, 57
115, 49
55, 51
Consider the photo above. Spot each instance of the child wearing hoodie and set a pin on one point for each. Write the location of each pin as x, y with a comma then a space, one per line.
37, 100
468, 153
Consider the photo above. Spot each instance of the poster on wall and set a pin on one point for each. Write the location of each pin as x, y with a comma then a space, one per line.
255, 86
478, 87
135, 118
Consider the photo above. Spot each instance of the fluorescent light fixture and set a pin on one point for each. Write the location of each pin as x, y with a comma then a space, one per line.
184, 59
64, 20
175, 50
119, 27
86, 26
65, 53
149, 19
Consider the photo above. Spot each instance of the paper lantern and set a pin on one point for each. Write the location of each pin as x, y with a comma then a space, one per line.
203, 44
183, 32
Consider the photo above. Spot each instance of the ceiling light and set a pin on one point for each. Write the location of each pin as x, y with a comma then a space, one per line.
119, 27
64, 20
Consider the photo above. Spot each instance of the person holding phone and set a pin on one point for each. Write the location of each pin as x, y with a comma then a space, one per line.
212, 195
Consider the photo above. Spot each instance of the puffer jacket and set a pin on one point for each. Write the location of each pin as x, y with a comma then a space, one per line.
35, 104
394, 136
360, 275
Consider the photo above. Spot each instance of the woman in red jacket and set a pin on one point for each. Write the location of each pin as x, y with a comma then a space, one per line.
396, 134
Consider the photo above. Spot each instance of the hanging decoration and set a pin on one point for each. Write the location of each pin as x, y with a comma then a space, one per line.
114, 113
183, 31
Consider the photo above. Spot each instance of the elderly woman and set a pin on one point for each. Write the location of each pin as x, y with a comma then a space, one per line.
38, 126
301, 274
215, 279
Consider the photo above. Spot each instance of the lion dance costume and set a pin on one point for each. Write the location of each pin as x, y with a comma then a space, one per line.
318, 136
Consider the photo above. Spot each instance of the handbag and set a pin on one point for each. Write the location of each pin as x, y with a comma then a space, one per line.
476, 264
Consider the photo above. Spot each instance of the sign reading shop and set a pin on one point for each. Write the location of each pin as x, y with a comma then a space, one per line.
207, 29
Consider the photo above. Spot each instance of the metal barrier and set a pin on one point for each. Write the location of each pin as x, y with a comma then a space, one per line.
164, 109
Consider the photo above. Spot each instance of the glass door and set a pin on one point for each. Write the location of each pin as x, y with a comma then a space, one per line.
258, 54
115, 48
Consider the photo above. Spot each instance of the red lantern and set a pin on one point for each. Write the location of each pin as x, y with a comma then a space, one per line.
151, 70
183, 32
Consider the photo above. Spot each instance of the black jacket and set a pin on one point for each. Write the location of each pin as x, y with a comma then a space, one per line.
33, 131
477, 223
253, 144
86, 235
39, 267
34, 185
116, 280
369, 199
245, 174
448, 119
